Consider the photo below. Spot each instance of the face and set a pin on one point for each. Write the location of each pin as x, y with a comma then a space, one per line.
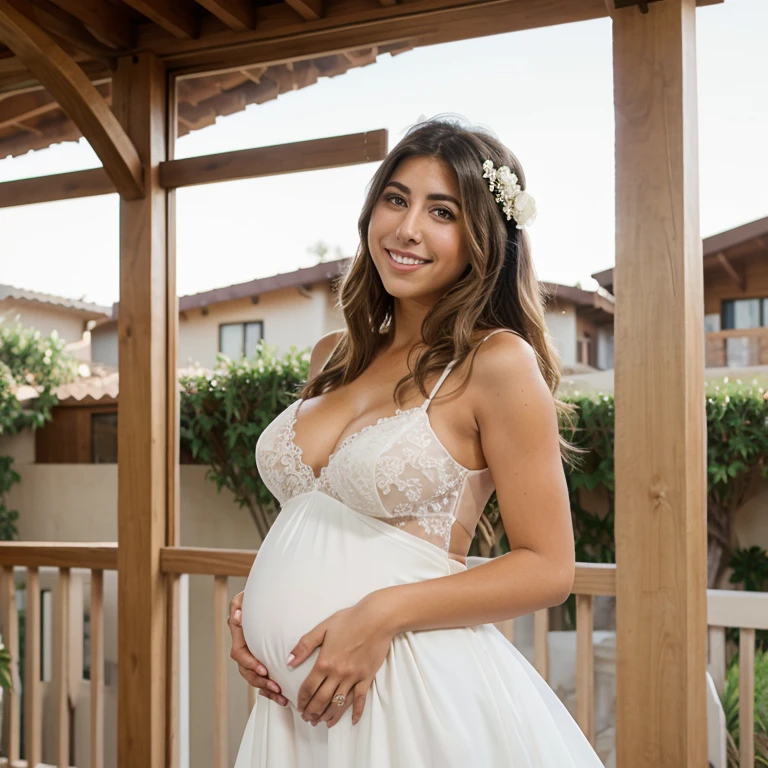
416, 233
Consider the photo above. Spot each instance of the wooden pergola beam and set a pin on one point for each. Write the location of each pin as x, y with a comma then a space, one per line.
730, 269
309, 10
236, 15
660, 449
61, 186
282, 37
104, 19
317, 154
333, 152
77, 96
178, 18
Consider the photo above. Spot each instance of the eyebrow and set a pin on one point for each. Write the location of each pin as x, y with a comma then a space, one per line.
438, 196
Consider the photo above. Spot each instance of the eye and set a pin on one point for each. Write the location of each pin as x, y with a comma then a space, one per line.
445, 213
396, 199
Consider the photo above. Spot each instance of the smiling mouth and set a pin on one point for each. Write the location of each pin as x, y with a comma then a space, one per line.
406, 260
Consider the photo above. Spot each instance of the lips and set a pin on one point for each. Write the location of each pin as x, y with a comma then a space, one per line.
403, 269
401, 257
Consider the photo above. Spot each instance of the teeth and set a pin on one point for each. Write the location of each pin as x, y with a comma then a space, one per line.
405, 259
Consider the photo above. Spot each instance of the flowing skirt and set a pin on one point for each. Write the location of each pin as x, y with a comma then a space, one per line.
443, 698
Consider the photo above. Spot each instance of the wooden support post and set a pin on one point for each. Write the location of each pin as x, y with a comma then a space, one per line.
139, 100
660, 419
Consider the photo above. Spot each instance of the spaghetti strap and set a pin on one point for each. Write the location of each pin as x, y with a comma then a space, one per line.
499, 330
442, 378
450, 365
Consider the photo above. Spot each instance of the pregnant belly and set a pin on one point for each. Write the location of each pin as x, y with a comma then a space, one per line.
318, 558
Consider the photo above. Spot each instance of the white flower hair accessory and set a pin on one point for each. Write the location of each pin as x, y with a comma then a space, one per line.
515, 202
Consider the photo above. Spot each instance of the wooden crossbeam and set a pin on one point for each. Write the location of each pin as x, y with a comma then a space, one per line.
103, 19
61, 186
730, 269
312, 155
333, 152
310, 10
78, 97
178, 18
236, 15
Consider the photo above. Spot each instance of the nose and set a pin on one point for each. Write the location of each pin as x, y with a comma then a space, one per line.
409, 229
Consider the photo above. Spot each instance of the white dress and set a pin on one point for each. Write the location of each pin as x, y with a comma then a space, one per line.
381, 514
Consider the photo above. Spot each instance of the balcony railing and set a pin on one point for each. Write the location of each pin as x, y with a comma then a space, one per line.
23, 563
737, 348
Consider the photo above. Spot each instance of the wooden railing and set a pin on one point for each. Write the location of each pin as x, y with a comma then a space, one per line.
32, 559
24, 562
737, 348
747, 611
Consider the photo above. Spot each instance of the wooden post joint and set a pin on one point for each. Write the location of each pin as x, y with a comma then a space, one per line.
641, 4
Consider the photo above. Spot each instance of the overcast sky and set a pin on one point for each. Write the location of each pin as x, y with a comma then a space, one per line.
547, 93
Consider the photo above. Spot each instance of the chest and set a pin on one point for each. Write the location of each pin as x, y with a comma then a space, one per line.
322, 424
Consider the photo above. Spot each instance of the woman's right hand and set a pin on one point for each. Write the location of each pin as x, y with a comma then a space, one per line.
254, 672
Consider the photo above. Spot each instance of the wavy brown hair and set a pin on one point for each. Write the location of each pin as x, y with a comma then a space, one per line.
499, 288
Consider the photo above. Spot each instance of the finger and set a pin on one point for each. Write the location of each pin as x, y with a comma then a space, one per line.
236, 603
281, 700
240, 651
303, 649
309, 687
244, 658
257, 681
361, 692
317, 705
334, 711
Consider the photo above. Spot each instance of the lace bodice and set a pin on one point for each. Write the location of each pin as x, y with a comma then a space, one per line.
395, 469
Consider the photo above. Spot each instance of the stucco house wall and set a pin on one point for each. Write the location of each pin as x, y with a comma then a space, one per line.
45, 319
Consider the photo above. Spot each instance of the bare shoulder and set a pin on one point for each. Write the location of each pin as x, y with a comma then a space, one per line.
504, 369
502, 357
322, 351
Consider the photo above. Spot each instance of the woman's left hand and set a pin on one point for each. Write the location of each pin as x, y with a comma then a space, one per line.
354, 643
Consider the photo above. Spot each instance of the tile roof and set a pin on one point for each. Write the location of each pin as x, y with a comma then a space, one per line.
76, 305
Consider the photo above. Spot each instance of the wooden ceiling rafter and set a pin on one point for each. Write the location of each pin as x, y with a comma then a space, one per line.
17, 111
175, 16
309, 10
236, 15
56, 20
78, 97
254, 73
731, 270
104, 20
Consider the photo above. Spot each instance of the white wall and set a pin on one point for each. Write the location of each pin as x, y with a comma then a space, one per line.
561, 321
44, 318
104, 344
605, 347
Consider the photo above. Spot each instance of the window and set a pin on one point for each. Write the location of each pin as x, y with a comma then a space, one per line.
740, 314
238, 340
103, 438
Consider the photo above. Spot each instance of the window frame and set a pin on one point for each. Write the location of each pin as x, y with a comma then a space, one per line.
243, 324
763, 311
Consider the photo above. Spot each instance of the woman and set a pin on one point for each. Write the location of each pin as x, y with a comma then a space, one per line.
359, 598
